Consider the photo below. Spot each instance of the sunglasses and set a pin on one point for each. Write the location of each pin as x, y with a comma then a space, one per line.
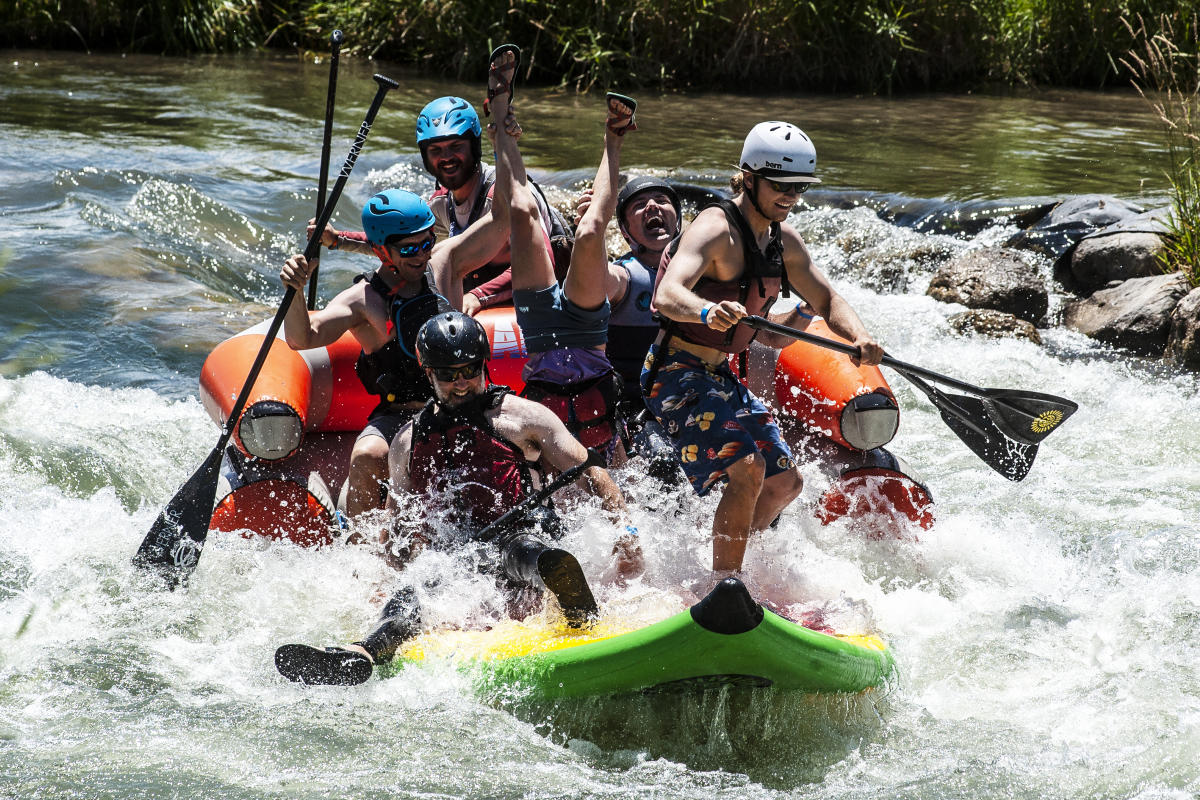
787, 188
410, 250
452, 374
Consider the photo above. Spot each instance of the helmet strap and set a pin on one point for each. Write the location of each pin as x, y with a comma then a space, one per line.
753, 197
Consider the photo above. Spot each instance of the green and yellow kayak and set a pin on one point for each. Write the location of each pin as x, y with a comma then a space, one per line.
726, 638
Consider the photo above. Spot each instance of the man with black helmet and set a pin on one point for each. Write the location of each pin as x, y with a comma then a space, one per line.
384, 309
733, 261
468, 457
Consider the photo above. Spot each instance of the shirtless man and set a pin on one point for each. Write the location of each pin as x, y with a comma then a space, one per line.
732, 262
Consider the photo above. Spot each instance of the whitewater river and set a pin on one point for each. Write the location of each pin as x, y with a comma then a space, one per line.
1047, 632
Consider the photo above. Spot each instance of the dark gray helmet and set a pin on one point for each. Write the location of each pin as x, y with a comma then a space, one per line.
452, 338
643, 183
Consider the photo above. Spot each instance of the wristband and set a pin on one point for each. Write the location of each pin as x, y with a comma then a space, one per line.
631, 530
337, 239
704, 312
800, 310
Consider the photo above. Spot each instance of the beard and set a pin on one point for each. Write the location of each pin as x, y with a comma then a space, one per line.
459, 177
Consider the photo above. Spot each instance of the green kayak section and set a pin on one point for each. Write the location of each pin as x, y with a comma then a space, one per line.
725, 639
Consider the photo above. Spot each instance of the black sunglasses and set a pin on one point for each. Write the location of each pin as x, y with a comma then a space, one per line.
410, 250
452, 374
787, 188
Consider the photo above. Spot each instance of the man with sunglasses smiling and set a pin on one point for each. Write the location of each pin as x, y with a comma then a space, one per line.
468, 457
383, 309
733, 261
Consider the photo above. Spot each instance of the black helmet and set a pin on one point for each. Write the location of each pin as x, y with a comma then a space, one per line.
642, 183
450, 339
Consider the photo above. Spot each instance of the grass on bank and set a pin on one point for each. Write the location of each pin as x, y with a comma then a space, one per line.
760, 46
1166, 66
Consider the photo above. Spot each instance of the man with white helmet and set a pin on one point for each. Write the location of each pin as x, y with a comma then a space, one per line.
734, 261
384, 309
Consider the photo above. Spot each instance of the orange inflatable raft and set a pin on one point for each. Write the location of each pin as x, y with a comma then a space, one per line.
291, 445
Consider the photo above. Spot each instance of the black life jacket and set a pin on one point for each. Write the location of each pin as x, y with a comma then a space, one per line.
392, 371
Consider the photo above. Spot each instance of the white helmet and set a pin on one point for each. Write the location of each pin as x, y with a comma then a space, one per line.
780, 151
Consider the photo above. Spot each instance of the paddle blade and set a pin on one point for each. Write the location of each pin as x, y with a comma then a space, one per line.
172, 547
968, 417
1027, 417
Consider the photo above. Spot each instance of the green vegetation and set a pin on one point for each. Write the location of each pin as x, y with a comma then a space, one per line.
766, 45
1165, 62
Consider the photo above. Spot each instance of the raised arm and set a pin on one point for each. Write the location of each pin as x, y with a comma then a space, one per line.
304, 329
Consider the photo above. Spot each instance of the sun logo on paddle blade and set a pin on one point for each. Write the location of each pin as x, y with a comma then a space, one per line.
1046, 421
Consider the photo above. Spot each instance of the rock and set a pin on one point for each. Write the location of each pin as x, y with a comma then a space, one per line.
1183, 341
1071, 220
1135, 315
996, 324
994, 278
1099, 260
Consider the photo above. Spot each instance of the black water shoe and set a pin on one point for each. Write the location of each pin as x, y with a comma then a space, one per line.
563, 576
331, 666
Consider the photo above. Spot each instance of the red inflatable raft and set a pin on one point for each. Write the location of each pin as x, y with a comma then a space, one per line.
292, 443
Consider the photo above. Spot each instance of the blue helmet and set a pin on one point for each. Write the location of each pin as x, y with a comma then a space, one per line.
395, 212
447, 118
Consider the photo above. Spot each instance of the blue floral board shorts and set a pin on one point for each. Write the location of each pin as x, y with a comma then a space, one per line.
712, 418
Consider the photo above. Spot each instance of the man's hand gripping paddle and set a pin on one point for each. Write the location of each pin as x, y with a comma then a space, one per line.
1002, 426
173, 545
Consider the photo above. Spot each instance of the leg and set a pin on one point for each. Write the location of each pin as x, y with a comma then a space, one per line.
368, 471
736, 512
353, 664
532, 266
778, 491
530, 561
586, 284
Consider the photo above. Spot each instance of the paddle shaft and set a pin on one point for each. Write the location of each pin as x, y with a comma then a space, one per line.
762, 324
523, 507
335, 44
310, 251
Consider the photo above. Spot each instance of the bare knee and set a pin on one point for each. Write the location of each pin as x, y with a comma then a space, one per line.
747, 473
369, 456
787, 484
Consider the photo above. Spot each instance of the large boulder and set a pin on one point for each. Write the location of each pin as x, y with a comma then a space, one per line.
995, 324
1126, 249
1183, 341
1099, 261
995, 278
1056, 233
1135, 314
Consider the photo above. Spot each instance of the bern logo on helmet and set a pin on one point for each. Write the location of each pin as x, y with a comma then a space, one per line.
772, 165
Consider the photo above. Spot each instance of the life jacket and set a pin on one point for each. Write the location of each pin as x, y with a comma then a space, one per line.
392, 371
560, 232
588, 408
459, 460
760, 283
631, 325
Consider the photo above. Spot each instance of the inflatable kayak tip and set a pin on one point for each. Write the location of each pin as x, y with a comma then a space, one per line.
728, 609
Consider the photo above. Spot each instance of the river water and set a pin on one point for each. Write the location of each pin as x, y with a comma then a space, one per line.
1047, 632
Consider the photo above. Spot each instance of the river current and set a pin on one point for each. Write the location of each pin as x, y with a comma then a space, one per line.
1047, 632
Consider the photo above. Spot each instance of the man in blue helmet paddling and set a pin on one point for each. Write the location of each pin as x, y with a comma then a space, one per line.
383, 309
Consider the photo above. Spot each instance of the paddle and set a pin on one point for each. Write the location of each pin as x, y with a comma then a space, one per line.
172, 547
1001, 426
335, 43
522, 508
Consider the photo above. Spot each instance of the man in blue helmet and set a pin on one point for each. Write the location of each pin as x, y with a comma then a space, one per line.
448, 135
383, 309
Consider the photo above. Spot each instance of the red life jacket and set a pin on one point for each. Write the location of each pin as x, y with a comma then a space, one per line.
459, 461
762, 278
588, 409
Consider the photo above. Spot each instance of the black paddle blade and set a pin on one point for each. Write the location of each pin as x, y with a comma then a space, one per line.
172, 547
1027, 417
968, 417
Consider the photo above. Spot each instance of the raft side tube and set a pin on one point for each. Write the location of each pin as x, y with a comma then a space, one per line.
853, 406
